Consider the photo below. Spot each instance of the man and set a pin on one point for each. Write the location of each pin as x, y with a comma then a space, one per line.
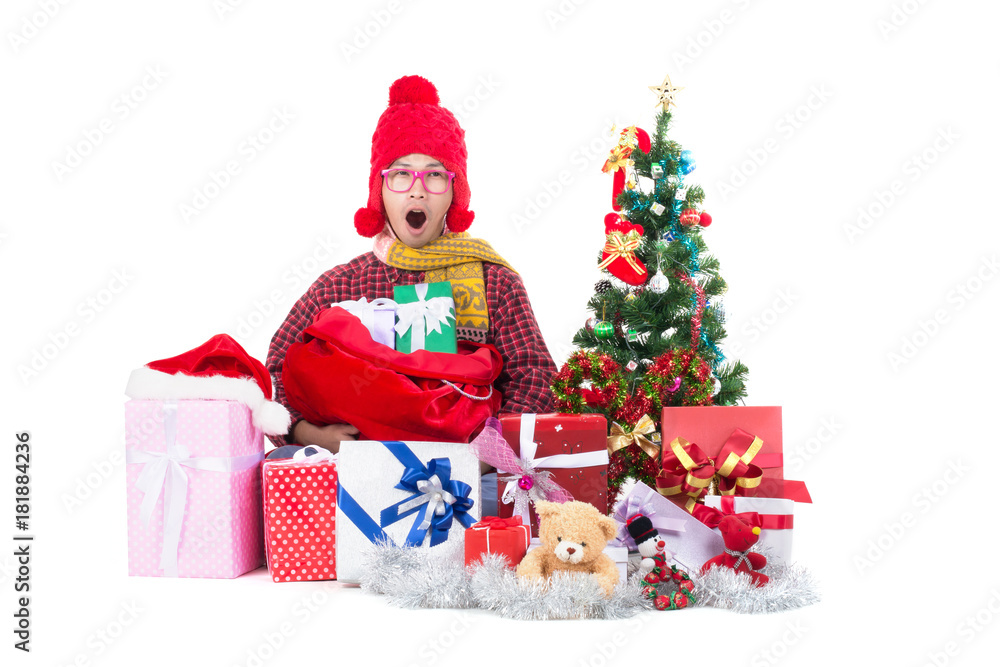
418, 213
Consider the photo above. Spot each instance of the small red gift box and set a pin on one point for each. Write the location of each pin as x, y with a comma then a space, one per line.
300, 497
573, 447
493, 535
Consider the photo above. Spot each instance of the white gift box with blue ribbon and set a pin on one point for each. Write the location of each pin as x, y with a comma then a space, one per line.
409, 494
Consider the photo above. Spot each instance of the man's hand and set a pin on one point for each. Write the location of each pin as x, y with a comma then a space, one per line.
327, 437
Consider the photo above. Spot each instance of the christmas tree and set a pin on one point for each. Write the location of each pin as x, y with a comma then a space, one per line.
654, 338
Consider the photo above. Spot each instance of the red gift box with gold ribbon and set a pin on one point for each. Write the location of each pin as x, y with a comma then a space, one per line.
508, 537
725, 450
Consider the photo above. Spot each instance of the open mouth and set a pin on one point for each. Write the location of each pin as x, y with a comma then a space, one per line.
416, 219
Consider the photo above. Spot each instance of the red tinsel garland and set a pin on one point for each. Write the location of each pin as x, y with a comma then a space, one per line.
607, 384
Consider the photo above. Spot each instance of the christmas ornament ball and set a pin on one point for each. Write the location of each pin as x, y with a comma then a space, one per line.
659, 283
704, 219
591, 324
604, 330
687, 162
662, 602
689, 217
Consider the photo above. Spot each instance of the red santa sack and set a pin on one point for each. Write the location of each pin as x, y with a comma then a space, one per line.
338, 374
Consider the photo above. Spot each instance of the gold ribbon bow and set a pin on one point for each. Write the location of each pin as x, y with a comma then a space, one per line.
687, 470
618, 438
622, 245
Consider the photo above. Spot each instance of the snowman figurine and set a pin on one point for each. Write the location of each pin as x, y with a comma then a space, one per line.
651, 546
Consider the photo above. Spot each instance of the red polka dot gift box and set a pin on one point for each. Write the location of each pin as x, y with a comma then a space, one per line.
300, 495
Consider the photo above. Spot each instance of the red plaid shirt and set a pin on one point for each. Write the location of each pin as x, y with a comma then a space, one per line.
527, 365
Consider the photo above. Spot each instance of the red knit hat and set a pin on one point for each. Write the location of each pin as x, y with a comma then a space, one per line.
218, 369
415, 122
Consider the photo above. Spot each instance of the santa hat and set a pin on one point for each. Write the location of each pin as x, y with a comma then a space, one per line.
415, 122
219, 369
640, 527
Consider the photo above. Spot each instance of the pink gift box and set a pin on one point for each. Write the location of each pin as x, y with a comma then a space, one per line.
193, 482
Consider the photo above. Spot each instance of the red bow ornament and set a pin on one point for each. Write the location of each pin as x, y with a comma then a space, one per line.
623, 239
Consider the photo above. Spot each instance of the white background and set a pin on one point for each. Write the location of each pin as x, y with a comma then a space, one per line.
810, 112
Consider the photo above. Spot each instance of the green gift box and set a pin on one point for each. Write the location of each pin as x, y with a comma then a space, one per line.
425, 317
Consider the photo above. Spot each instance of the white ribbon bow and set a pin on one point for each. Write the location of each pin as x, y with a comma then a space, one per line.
318, 455
365, 311
423, 316
164, 471
529, 448
432, 493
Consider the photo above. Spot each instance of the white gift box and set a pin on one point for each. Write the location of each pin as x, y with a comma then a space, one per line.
618, 554
378, 316
776, 522
441, 479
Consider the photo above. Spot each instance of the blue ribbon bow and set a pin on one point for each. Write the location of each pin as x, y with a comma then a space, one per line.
437, 499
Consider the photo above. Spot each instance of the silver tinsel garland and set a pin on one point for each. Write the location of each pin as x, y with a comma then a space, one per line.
790, 587
435, 579
421, 579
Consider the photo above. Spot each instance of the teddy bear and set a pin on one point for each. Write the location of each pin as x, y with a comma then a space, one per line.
573, 536
738, 537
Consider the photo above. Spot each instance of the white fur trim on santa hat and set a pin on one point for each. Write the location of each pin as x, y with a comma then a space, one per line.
270, 417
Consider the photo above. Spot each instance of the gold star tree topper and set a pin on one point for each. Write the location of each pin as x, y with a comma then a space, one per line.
666, 91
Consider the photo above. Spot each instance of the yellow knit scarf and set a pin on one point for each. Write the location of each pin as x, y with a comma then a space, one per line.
457, 258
